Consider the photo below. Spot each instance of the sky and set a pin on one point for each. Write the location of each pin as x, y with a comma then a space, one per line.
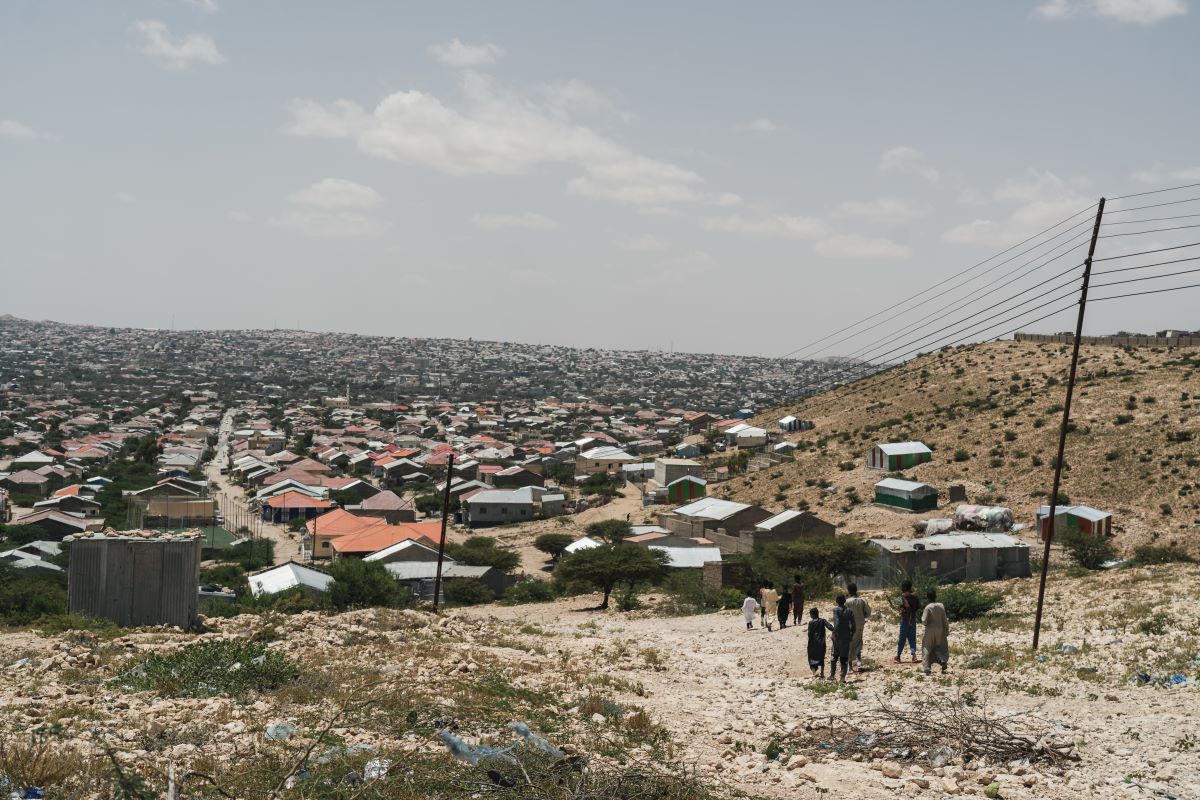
702, 176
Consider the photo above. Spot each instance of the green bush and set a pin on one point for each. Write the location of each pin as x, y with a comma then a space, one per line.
252, 555
484, 551
532, 591
231, 576
1086, 550
467, 592
17, 535
968, 600
1170, 554
961, 455
233, 667
63, 623
553, 544
27, 595
691, 595
363, 584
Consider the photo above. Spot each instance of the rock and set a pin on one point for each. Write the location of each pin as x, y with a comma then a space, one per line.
599, 718
920, 782
950, 786
891, 770
797, 761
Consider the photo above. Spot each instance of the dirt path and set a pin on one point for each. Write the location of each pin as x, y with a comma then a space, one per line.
231, 500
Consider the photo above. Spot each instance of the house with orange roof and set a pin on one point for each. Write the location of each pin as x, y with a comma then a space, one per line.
378, 537
294, 504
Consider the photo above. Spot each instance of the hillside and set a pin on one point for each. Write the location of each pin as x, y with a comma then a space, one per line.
991, 414
648, 706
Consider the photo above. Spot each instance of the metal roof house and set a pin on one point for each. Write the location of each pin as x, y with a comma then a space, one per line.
950, 557
891, 456
686, 488
1077, 519
289, 575
688, 557
790, 423
908, 495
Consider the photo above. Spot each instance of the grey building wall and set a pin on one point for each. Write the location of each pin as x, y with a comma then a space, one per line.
135, 582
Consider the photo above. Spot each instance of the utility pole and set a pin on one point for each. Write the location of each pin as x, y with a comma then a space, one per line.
1048, 534
437, 581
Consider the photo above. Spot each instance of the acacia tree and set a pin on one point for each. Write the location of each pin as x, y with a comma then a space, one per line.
553, 544
602, 568
609, 530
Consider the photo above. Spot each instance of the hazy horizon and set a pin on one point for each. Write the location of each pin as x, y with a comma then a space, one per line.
694, 177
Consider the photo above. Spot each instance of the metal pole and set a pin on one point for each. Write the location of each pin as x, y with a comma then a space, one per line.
437, 581
1048, 535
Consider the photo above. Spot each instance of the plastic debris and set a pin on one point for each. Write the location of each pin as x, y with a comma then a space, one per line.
984, 519
1178, 681
472, 753
1068, 649
280, 731
19, 663
535, 740
376, 769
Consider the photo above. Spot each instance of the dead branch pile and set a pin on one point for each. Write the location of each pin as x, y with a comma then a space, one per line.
938, 731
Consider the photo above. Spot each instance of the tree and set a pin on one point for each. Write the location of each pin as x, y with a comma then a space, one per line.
602, 568
1087, 550
431, 504
467, 592
553, 544
484, 551
609, 530
147, 450
360, 584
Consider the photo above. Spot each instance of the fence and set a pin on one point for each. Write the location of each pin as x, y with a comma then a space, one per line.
1113, 341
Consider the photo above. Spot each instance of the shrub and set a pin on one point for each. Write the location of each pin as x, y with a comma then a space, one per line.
62, 623
1124, 419
846, 466
233, 667
961, 455
531, 591
691, 595
484, 551
968, 600
1170, 554
467, 592
252, 555
26, 595
609, 530
18, 535
1086, 550
360, 584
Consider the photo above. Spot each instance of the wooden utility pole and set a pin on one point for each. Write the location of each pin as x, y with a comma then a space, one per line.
1048, 534
437, 581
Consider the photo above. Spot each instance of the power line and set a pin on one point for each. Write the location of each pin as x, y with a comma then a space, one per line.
939, 283
1146, 252
1146, 266
1154, 230
1153, 205
1155, 191
1151, 291
908, 328
1149, 219
1147, 278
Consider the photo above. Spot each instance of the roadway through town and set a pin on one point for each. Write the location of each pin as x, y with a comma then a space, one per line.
234, 508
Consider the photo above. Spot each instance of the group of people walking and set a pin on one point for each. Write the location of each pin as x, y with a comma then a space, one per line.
849, 622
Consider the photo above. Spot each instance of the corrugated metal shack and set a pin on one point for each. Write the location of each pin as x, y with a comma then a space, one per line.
952, 557
136, 579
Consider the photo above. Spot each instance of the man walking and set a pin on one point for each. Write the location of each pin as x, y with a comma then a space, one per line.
843, 634
797, 600
862, 612
909, 605
935, 644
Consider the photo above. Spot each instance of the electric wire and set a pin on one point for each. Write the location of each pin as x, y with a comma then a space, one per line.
1105, 224
1152, 205
1145, 266
1155, 191
1140, 233
956, 275
1139, 294
1146, 252
1148, 278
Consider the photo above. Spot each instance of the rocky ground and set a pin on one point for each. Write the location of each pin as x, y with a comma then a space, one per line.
686, 692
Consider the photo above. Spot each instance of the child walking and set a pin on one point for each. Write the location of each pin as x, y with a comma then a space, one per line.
816, 641
749, 608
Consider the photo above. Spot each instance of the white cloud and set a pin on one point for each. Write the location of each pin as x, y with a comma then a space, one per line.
330, 224
1140, 12
1159, 174
206, 6
177, 52
333, 209
853, 246
456, 53
772, 226
1042, 199
124, 197
909, 161
16, 130
576, 96
239, 216
337, 193
881, 211
646, 243
527, 221
498, 133
761, 125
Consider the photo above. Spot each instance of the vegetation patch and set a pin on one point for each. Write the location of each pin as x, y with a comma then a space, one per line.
232, 667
